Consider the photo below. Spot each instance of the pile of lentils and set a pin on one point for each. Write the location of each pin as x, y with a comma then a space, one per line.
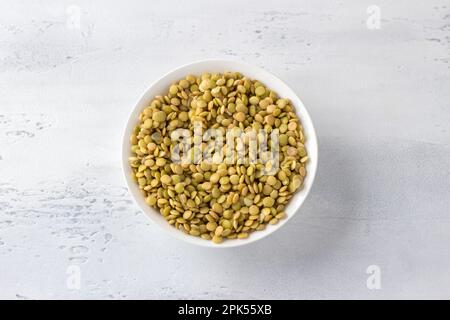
217, 201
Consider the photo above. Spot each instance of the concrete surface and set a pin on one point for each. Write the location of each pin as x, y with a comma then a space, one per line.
70, 72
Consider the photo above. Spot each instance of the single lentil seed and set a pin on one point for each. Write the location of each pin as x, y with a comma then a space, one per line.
179, 187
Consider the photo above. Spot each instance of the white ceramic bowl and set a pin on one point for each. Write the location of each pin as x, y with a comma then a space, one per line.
161, 86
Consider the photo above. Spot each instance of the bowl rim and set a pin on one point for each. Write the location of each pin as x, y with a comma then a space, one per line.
149, 211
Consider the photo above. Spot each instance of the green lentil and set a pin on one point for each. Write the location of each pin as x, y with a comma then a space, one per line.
211, 226
217, 239
179, 187
271, 180
260, 91
268, 202
166, 179
253, 210
159, 116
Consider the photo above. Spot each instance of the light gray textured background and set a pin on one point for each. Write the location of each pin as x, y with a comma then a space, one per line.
379, 100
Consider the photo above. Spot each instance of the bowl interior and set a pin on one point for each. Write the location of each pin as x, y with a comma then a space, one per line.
161, 86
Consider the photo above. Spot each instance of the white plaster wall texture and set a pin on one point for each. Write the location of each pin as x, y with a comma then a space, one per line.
379, 99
